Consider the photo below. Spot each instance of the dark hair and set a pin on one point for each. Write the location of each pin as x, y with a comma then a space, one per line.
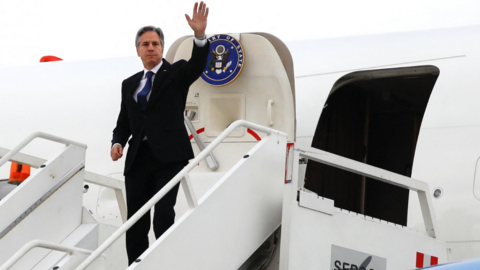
147, 29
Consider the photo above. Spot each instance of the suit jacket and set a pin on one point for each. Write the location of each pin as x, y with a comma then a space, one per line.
162, 121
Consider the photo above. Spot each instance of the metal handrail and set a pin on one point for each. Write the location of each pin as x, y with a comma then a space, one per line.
33, 136
42, 244
175, 180
392, 178
210, 159
21, 158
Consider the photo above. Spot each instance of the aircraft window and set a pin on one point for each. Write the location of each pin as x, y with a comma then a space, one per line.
373, 117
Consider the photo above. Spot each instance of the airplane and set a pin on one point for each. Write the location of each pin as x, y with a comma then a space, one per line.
345, 153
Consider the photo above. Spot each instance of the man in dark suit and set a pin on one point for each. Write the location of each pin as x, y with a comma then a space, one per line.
151, 112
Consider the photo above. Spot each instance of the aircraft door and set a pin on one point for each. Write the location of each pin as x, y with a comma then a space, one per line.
260, 89
373, 117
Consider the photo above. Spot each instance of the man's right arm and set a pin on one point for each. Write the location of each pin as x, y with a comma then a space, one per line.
122, 131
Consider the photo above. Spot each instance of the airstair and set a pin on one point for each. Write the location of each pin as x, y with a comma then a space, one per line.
46, 209
51, 229
43, 224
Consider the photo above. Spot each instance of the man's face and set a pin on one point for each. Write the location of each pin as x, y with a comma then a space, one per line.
150, 49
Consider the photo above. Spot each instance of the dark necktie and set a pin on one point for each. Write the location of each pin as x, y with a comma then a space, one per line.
142, 95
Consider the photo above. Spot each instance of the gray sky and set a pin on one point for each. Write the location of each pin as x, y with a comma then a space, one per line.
92, 29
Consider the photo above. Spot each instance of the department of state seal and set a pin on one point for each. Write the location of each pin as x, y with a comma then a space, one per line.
225, 61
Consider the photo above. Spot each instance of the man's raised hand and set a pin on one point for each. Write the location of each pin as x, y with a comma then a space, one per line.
198, 22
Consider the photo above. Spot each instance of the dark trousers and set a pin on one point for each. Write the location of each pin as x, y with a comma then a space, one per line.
146, 177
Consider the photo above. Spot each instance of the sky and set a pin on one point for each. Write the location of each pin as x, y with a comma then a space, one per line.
99, 29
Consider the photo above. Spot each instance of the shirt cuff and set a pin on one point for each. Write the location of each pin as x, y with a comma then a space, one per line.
200, 42
116, 144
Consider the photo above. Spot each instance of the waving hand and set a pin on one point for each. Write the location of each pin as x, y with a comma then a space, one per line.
198, 22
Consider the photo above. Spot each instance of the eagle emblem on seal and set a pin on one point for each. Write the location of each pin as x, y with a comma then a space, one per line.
219, 62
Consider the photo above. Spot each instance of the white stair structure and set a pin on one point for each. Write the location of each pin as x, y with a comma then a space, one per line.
238, 214
43, 223
37, 209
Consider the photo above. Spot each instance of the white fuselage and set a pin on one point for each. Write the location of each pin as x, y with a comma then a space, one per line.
80, 101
